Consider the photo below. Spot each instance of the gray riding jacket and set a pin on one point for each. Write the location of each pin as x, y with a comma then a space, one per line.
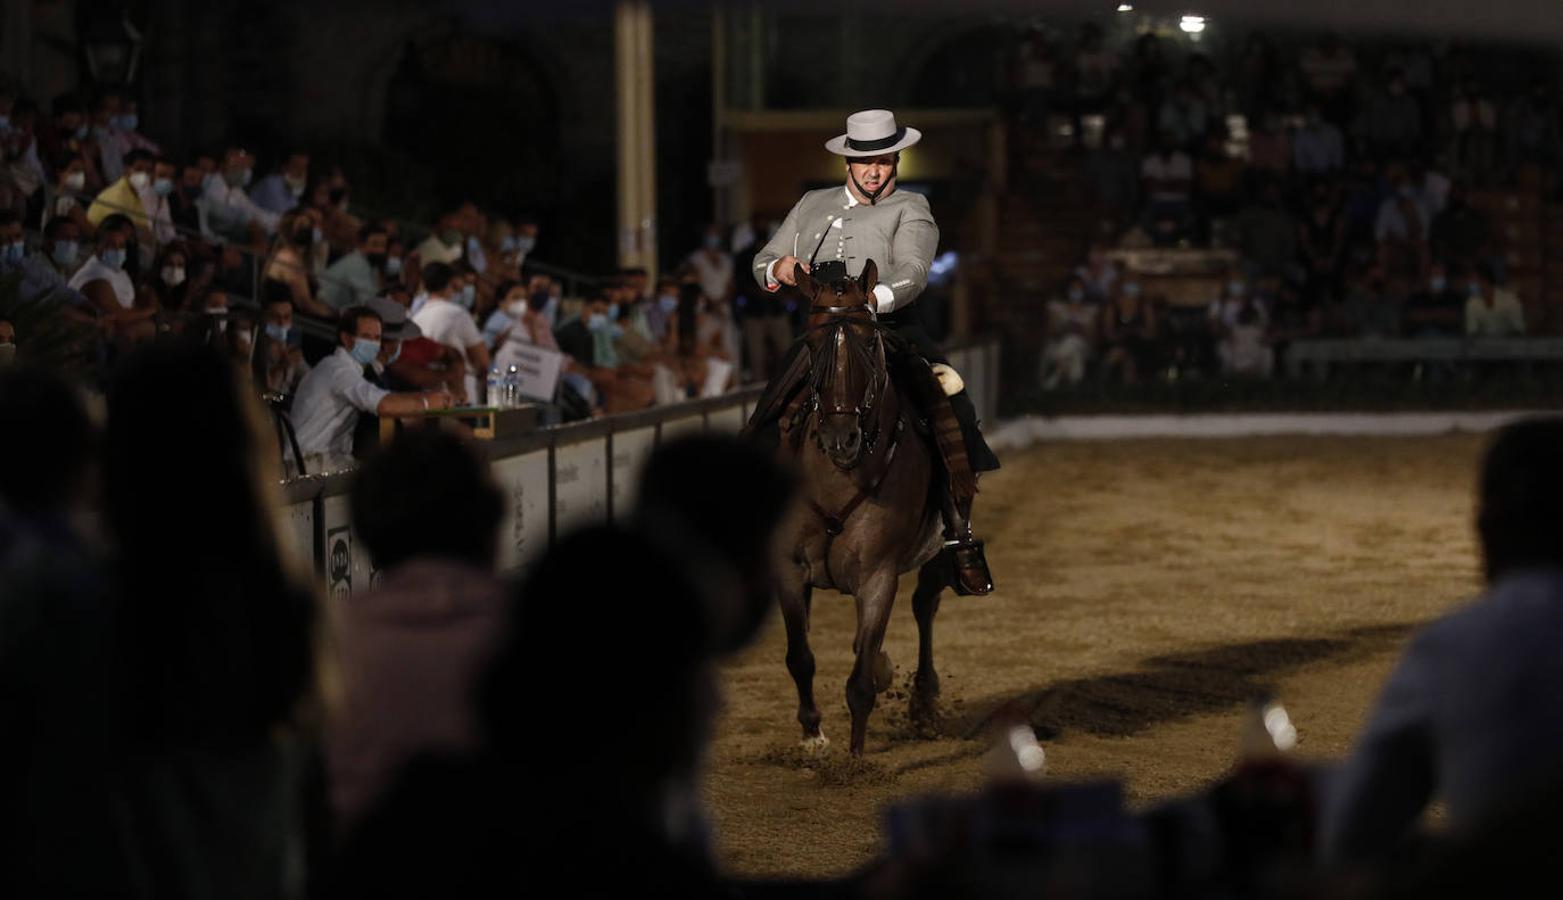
898, 233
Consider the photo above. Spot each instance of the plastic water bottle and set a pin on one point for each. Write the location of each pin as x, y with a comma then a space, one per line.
512, 388
495, 388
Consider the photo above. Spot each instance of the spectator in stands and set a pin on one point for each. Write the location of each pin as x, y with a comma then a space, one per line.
1330, 70
230, 213
713, 266
1372, 308
1401, 229
587, 337
102, 279
1219, 179
411, 650
290, 258
1270, 147
154, 199
278, 362
1461, 234
1470, 714
1099, 274
1266, 233
40, 275
1184, 117
1473, 117
70, 135
59, 764
1437, 308
280, 191
1168, 176
659, 315
335, 392
1318, 148
1095, 71
445, 243
7, 342
1115, 173
216, 654
1321, 246
1129, 334
1530, 130
446, 318
1390, 122
356, 277
1072, 335
172, 280
183, 203
70, 185
1244, 347
123, 196
1492, 310
415, 362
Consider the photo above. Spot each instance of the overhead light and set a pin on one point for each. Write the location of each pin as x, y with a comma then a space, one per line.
1192, 24
1126, 7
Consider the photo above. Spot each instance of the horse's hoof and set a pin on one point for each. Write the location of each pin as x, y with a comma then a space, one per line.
815, 745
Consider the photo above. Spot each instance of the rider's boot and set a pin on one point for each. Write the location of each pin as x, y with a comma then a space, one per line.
970, 575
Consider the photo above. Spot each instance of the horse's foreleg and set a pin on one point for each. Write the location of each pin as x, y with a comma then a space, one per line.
931, 580
870, 673
794, 594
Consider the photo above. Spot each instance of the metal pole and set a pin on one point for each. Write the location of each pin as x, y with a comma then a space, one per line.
646, 81
626, 97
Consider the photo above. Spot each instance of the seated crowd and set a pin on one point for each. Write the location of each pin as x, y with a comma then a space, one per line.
1367, 191
112, 243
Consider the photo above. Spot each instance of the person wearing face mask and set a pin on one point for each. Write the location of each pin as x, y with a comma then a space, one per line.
659, 313
41, 274
587, 338
445, 244
713, 266
334, 393
230, 213
170, 280
283, 189
357, 277
289, 262
107, 138
67, 196
446, 318
184, 202
108, 288
277, 364
1072, 336
155, 199
124, 196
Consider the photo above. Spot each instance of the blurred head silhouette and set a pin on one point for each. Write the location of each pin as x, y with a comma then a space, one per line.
1521, 502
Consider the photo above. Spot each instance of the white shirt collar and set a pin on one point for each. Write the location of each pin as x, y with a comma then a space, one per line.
851, 200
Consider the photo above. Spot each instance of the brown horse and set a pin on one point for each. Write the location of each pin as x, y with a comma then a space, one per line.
871, 513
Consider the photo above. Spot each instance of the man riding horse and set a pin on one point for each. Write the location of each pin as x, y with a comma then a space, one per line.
832, 233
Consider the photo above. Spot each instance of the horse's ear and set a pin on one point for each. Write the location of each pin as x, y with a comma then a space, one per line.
869, 278
805, 281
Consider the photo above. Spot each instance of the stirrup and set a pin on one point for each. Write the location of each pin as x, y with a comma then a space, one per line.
969, 575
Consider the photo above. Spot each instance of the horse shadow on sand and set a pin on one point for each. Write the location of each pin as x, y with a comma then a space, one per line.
1165, 688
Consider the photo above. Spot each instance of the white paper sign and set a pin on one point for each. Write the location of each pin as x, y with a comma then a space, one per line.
536, 368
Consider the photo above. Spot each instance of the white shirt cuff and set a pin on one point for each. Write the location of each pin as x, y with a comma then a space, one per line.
886, 298
771, 283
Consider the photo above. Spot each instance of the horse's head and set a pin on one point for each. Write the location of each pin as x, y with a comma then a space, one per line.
849, 374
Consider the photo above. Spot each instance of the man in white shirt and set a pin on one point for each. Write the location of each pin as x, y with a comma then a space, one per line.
714, 267
230, 213
1492, 311
335, 392
445, 243
446, 321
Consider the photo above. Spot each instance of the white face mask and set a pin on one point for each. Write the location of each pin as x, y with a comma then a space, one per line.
76, 181
173, 276
140, 180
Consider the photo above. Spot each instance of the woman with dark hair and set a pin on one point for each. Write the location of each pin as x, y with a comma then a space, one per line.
170, 277
216, 632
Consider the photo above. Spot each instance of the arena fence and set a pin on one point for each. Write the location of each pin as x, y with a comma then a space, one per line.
558, 479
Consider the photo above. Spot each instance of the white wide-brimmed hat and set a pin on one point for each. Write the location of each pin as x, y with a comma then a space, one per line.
872, 132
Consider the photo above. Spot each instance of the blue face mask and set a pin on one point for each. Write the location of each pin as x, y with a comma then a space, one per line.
668, 305
1438, 283
163, 186
364, 351
127, 122
1474, 288
277, 333
1236, 288
396, 353
15, 252
551, 311
507, 244
713, 242
81, 132
65, 252
613, 312
393, 266
525, 244
468, 295
113, 258
597, 321
1076, 294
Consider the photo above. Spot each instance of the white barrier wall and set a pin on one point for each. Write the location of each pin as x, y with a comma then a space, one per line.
565, 478
298, 534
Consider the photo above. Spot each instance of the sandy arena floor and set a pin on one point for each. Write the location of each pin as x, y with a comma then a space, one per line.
1147, 588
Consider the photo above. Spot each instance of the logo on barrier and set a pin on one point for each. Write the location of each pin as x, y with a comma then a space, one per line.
339, 563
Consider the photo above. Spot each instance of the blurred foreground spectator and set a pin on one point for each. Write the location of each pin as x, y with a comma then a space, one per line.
1471, 714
